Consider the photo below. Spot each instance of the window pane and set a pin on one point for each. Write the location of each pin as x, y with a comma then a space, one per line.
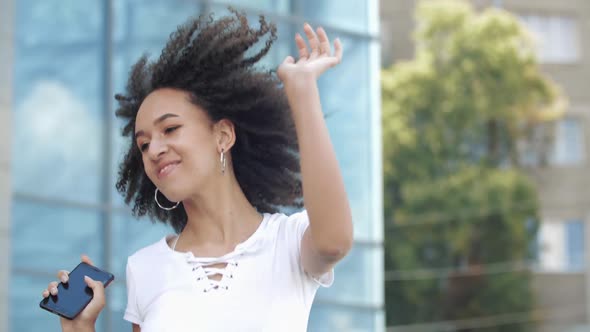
336, 318
358, 269
150, 20
50, 238
129, 235
276, 6
575, 245
561, 246
117, 303
552, 256
47, 22
25, 314
57, 121
556, 37
351, 15
568, 148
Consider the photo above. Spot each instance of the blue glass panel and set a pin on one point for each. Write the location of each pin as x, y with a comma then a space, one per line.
25, 314
351, 15
275, 6
117, 299
358, 268
151, 20
337, 318
43, 22
57, 120
568, 147
575, 245
129, 235
50, 238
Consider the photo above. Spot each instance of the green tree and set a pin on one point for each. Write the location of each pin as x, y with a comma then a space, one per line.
457, 202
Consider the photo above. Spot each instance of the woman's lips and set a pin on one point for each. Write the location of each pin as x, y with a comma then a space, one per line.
166, 171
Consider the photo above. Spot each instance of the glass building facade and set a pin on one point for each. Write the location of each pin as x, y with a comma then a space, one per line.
70, 57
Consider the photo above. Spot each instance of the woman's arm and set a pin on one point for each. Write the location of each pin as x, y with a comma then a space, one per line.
329, 236
136, 328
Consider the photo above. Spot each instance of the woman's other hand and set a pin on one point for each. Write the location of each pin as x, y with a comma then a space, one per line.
87, 318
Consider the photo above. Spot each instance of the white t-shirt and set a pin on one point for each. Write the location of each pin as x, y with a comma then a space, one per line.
263, 286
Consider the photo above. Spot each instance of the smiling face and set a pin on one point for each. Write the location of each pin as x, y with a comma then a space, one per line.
178, 142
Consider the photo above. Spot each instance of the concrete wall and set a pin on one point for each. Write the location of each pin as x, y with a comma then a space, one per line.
6, 59
561, 301
397, 24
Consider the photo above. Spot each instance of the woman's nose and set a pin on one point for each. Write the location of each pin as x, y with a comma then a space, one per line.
156, 149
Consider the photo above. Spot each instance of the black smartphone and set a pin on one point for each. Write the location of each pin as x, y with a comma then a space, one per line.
75, 295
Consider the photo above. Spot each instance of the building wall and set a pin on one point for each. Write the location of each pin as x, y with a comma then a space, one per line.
6, 41
564, 304
397, 24
564, 190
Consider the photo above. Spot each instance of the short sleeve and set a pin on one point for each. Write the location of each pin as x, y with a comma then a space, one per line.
300, 221
132, 311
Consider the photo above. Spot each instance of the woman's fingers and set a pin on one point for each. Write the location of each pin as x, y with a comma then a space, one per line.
87, 260
289, 60
301, 46
97, 290
319, 56
63, 276
314, 42
324, 41
338, 49
51, 289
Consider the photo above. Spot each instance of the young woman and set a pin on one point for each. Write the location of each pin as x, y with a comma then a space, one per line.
216, 149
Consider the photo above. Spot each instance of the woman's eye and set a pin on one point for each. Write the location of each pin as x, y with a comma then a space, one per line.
143, 147
171, 129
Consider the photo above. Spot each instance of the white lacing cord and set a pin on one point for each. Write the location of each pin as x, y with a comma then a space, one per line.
206, 271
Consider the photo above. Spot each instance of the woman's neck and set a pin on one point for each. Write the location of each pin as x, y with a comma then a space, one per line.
218, 220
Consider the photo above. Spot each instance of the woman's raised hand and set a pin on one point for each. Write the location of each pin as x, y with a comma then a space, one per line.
313, 61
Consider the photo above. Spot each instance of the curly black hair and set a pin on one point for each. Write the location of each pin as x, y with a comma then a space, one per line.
207, 58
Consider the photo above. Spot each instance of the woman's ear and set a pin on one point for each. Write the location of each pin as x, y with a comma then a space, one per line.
226, 134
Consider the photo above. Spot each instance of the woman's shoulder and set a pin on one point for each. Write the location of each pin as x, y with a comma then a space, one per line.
285, 225
288, 217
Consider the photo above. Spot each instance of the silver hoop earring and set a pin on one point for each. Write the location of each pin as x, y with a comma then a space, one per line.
162, 207
222, 160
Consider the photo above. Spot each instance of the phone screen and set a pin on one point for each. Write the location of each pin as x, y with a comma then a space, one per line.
73, 296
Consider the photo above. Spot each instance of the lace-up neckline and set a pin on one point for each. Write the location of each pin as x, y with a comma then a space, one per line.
204, 268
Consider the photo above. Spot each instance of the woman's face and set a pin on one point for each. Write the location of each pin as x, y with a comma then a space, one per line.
178, 143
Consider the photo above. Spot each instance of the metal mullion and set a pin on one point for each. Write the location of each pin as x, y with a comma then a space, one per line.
52, 201
105, 194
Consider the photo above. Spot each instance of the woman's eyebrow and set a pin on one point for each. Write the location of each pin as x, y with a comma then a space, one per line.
157, 121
